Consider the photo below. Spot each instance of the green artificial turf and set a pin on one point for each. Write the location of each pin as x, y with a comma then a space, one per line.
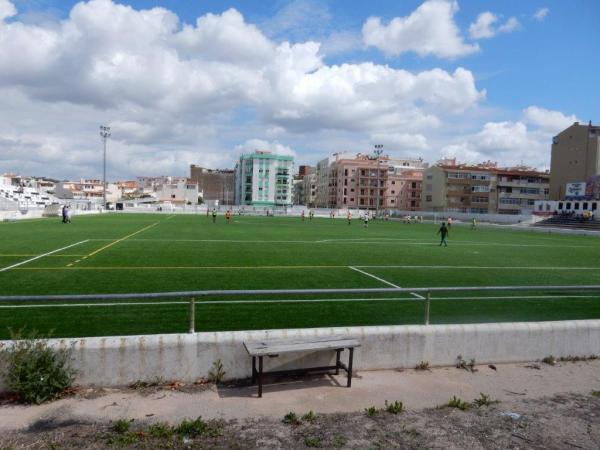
128, 253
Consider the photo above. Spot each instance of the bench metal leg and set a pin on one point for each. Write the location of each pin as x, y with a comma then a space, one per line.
253, 369
350, 367
260, 375
337, 360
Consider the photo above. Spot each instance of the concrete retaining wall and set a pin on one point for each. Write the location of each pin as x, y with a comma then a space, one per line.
123, 360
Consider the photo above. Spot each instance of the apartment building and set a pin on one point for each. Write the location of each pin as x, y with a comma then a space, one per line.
482, 188
215, 185
575, 158
152, 184
451, 187
410, 190
305, 186
264, 179
180, 192
519, 188
365, 181
83, 189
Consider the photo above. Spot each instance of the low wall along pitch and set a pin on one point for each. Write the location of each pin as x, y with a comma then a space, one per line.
113, 361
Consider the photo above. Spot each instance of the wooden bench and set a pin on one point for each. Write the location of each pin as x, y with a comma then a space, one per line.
275, 347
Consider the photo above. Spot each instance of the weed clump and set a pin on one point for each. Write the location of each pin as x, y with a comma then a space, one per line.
458, 403
35, 371
394, 408
423, 365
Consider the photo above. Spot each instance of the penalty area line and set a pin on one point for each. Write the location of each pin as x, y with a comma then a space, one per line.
414, 294
41, 256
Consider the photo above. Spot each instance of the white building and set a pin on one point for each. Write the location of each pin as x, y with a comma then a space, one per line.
264, 179
182, 191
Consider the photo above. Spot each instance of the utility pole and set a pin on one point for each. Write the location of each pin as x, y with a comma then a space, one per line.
104, 134
378, 152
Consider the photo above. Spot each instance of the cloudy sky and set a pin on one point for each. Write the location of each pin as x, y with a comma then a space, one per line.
200, 81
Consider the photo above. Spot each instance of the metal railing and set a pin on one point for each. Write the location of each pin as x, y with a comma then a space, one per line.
194, 295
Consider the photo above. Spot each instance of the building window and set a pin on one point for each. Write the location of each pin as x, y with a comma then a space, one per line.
428, 198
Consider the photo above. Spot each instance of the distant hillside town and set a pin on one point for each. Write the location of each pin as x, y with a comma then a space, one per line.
370, 181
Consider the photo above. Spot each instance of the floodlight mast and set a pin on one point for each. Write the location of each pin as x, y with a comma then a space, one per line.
104, 134
378, 152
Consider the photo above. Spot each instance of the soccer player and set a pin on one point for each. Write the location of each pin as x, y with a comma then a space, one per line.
366, 219
349, 216
443, 232
449, 222
302, 215
473, 224
228, 216
311, 214
214, 215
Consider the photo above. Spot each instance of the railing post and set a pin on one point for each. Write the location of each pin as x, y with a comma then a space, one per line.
427, 305
192, 313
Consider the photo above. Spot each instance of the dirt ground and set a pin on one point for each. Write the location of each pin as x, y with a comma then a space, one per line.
529, 405
559, 422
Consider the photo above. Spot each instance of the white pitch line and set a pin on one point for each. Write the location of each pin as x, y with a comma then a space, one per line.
483, 267
354, 241
414, 294
516, 297
373, 276
41, 256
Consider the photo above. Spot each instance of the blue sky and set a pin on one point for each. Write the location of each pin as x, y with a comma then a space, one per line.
495, 89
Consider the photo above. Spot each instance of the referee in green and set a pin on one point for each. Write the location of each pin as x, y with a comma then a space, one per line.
443, 232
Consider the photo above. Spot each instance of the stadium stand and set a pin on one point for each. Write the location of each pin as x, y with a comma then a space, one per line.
567, 221
23, 198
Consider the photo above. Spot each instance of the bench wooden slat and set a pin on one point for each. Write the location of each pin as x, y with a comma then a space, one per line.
277, 346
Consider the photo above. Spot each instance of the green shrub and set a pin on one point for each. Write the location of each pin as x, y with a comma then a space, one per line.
160, 430
311, 441
458, 403
309, 417
423, 365
197, 427
371, 411
596, 393
216, 374
291, 419
484, 400
122, 425
394, 408
33, 370
550, 360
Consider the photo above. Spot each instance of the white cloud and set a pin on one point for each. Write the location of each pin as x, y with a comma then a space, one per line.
176, 94
548, 120
512, 24
429, 30
274, 147
541, 14
485, 26
510, 143
401, 141
7, 9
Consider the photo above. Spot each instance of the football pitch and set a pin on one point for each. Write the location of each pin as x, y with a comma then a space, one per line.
142, 253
